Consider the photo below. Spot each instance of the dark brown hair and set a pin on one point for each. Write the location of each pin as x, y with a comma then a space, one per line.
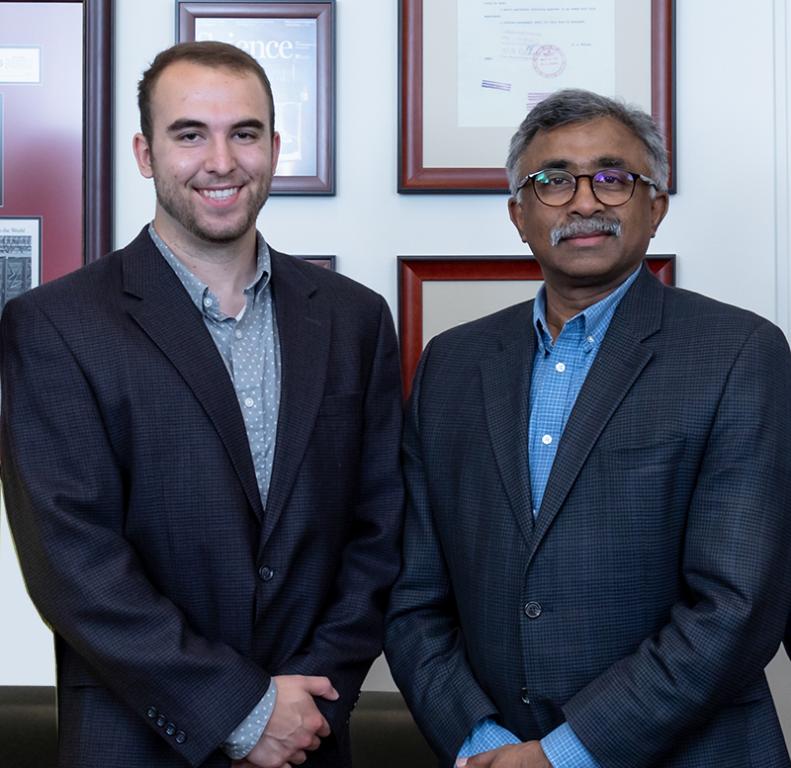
207, 53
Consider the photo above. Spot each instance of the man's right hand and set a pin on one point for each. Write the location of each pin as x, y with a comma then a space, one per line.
296, 725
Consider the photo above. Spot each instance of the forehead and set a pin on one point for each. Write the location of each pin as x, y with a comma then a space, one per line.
585, 145
190, 90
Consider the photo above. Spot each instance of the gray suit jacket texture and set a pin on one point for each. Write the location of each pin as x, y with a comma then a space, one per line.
134, 505
643, 603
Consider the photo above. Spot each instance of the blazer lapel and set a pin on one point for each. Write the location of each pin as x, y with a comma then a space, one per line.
174, 324
505, 378
618, 364
303, 322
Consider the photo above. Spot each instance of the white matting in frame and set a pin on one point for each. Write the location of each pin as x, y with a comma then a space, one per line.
478, 86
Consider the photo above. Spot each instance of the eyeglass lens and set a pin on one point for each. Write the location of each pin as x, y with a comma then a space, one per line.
611, 186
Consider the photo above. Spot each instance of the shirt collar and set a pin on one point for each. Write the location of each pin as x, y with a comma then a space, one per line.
198, 290
595, 319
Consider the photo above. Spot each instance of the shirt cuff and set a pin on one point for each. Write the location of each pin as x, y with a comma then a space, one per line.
246, 735
486, 734
564, 750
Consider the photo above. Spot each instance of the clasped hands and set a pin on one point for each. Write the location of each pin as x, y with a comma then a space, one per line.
296, 725
526, 755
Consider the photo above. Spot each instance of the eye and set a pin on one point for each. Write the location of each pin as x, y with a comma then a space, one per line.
188, 137
246, 135
612, 177
557, 179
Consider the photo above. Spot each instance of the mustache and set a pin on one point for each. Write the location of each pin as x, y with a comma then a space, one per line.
595, 225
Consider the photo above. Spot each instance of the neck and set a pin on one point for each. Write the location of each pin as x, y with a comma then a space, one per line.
562, 304
227, 268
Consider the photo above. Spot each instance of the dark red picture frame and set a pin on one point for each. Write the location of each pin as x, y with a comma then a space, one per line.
414, 271
413, 176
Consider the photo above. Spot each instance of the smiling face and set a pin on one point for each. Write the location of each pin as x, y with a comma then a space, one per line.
212, 155
585, 244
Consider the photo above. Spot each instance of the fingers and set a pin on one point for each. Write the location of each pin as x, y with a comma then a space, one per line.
482, 760
320, 686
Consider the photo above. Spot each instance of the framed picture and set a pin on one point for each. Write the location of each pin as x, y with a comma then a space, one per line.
294, 42
20, 255
56, 80
328, 262
439, 292
470, 69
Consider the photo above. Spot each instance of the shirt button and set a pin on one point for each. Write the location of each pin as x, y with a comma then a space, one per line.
533, 610
266, 573
181, 737
249, 402
238, 334
546, 439
207, 302
591, 340
560, 367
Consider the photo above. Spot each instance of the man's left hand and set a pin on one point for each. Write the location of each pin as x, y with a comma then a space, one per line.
527, 755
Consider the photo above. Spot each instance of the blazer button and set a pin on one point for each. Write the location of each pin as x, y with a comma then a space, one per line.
170, 729
152, 713
181, 737
533, 610
266, 573
525, 696
161, 720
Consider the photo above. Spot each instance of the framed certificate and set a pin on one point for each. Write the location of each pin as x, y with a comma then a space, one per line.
20, 256
294, 43
439, 292
471, 69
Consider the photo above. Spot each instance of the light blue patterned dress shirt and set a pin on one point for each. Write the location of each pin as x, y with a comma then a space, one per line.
250, 348
560, 368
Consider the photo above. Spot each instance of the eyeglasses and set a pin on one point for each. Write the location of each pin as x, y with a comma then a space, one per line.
610, 186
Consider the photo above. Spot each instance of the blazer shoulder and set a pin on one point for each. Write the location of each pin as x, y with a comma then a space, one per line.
343, 291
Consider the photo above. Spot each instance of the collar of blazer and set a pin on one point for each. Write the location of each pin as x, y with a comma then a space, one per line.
166, 314
506, 376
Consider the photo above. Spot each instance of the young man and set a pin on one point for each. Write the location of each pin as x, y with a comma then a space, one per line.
200, 458
597, 536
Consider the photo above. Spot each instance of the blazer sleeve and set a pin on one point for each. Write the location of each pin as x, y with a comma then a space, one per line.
423, 642
348, 635
65, 495
735, 572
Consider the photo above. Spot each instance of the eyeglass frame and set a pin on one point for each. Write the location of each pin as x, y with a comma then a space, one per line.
589, 176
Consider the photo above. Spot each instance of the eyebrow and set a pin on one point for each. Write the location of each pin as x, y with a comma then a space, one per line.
186, 123
600, 162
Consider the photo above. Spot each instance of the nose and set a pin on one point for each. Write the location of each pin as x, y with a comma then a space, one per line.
220, 158
584, 201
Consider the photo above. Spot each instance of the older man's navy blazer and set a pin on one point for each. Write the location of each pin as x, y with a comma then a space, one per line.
643, 602
134, 504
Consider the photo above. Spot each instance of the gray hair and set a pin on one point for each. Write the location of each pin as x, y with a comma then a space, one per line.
574, 105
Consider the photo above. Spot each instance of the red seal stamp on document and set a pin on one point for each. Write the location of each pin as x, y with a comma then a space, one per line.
549, 61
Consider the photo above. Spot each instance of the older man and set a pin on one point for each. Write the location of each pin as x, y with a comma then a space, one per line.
597, 537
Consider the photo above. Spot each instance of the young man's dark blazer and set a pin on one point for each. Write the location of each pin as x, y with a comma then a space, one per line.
643, 603
134, 504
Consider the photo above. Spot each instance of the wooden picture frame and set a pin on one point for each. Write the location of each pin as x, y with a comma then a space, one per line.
327, 262
294, 40
417, 273
416, 174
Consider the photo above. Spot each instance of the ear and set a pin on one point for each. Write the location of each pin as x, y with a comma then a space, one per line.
143, 155
516, 213
275, 151
659, 206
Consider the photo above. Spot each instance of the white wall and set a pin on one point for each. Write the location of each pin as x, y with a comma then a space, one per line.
732, 102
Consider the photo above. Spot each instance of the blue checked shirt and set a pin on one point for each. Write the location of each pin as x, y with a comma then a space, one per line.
559, 371
250, 348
